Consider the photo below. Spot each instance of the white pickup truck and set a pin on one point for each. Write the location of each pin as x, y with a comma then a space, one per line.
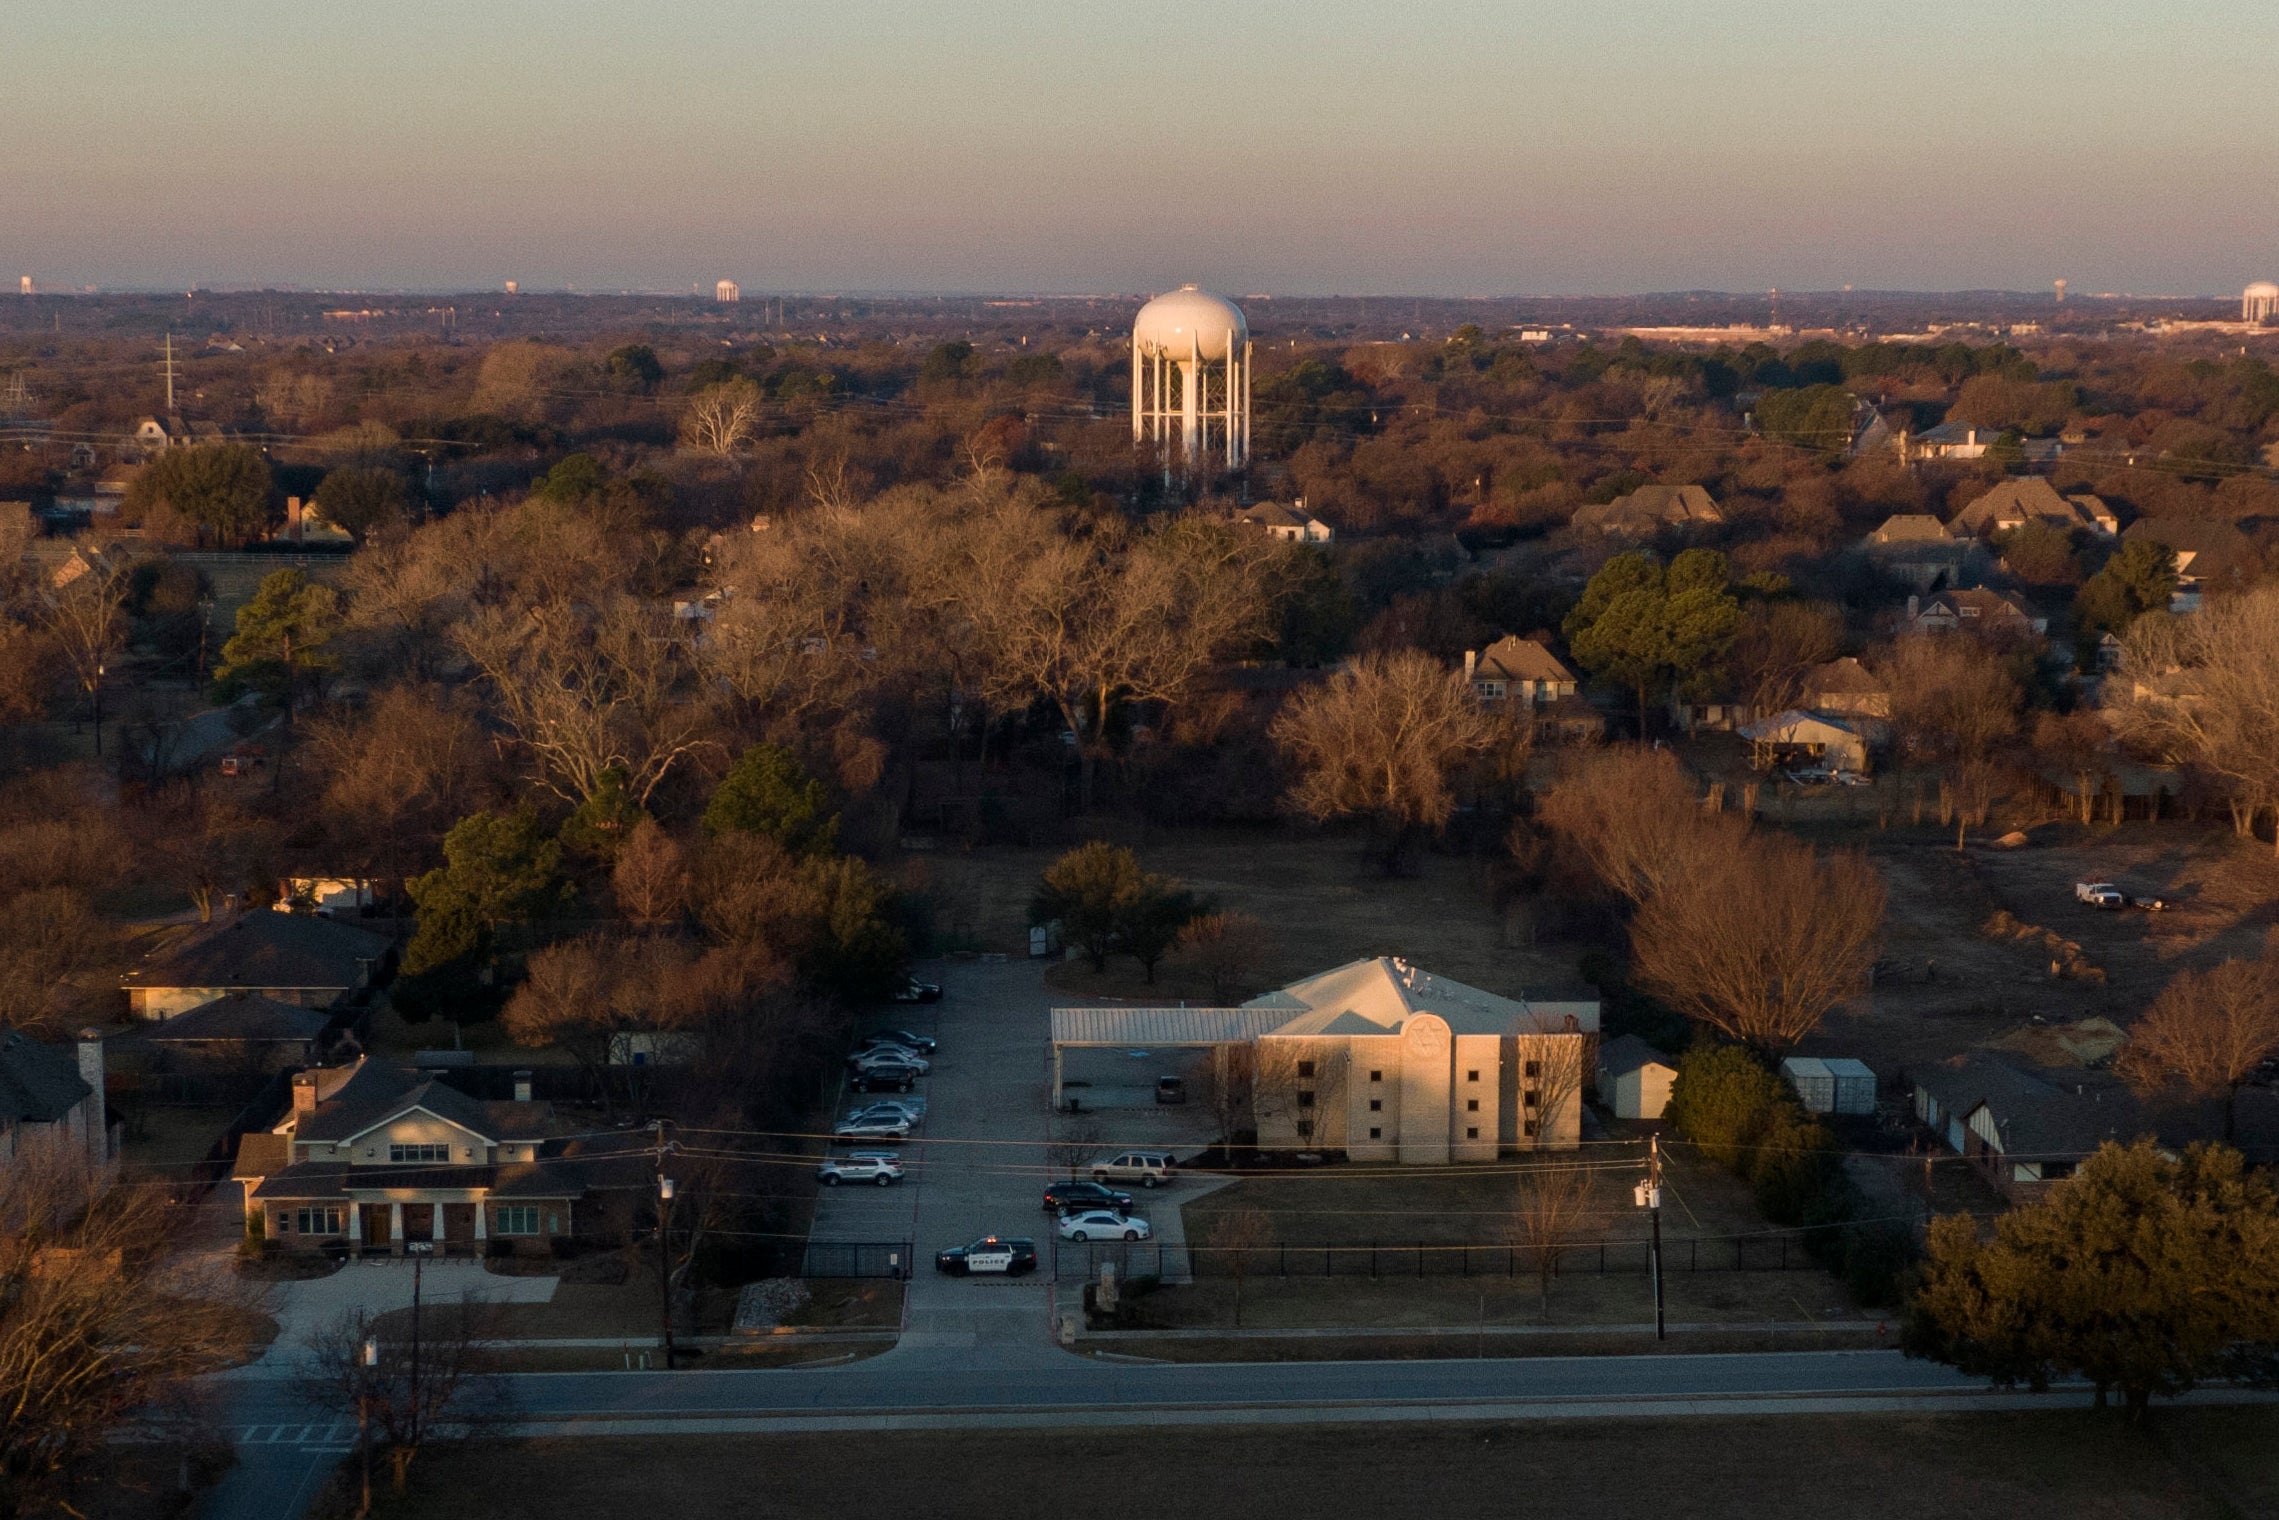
2099, 894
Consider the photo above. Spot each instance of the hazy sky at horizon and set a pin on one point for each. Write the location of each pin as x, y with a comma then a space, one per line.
1461, 147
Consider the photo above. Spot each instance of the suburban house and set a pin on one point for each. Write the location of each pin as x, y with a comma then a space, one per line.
1292, 523
1634, 1078
371, 1157
305, 523
1916, 548
1949, 440
293, 958
2207, 553
1845, 688
1518, 670
1648, 510
1382, 1061
51, 1102
1718, 714
1787, 738
2015, 502
238, 1031
1981, 610
2024, 1125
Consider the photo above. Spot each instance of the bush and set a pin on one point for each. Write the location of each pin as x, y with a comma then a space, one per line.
1723, 1100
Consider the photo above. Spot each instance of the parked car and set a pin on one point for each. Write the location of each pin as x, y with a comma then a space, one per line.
886, 1055
1147, 1168
872, 1127
1170, 1090
883, 1168
1101, 1224
1849, 778
2099, 894
909, 1111
915, 991
883, 1076
988, 1255
1811, 775
1086, 1195
902, 1039
2150, 903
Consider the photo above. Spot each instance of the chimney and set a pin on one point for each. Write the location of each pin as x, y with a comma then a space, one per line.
1471, 658
1914, 605
304, 1093
91, 1072
522, 1087
293, 518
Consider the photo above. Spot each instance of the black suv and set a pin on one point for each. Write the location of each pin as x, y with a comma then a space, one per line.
1062, 1196
883, 1076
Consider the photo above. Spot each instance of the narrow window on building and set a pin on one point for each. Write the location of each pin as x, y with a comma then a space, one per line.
1376, 1105
1376, 1076
1529, 1100
1473, 1133
1376, 1134
1305, 1129
1471, 1105
1535, 1068
1306, 1099
1305, 1068
1529, 1127
1471, 1076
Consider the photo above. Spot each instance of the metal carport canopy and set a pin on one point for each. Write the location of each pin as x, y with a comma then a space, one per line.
1158, 1026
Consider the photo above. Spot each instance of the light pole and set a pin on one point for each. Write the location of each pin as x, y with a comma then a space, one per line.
1649, 1197
99, 673
416, 1421
371, 1360
665, 1261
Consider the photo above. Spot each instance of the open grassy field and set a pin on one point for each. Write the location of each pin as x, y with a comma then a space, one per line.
1578, 1297
2190, 1465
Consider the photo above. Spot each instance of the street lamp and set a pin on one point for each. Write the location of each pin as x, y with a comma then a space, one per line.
364, 1418
665, 1263
420, 1251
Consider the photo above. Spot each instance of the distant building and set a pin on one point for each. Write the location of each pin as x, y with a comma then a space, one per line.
1787, 738
1648, 510
2014, 503
2208, 553
1976, 609
727, 291
1634, 1079
1949, 440
1847, 688
2259, 302
291, 957
1916, 549
51, 1102
1518, 670
1292, 523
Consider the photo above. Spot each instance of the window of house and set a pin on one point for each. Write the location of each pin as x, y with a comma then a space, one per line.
517, 1219
1376, 1133
1528, 1127
1306, 1099
1530, 1097
1473, 1133
1471, 1076
1305, 1129
1535, 1068
317, 1221
1471, 1105
1305, 1068
419, 1153
1376, 1076
1376, 1105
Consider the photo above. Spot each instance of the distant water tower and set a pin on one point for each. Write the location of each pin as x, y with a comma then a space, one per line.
2259, 302
1191, 365
726, 291
2061, 292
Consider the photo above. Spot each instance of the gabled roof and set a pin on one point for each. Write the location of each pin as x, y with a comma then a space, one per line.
1845, 677
2039, 1113
2212, 546
282, 950
1650, 507
375, 1095
1274, 514
1517, 659
243, 1016
1783, 727
2029, 498
39, 1084
1626, 1053
1983, 603
1380, 996
1911, 528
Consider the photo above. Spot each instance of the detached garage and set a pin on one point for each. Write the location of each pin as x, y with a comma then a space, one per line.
1834, 1086
1634, 1078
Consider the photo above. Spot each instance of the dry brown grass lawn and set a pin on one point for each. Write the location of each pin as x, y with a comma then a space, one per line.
2075, 1465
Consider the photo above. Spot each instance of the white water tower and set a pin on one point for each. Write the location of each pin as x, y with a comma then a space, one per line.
2259, 302
1191, 378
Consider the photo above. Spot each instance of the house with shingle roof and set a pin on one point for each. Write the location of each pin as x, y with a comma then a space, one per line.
1518, 670
1291, 523
51, 1101
2020, 500
242, 1031
1649, 509
295, 958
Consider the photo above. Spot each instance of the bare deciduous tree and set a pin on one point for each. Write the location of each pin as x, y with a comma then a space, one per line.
1549, 1205
1760, 940
1382, 739
444, 1380
722, 418
1636, 818
1225, 948
1236, 1236
1555, 1067
87, 620
1776, 645
2204, 691
1074, 1143
651, 878
2207, 1032
1954, 702
1230, 1088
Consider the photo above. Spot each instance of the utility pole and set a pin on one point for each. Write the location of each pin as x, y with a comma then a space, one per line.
170, 370
1654, 1211
371, 1360
664, 1247
416, 1422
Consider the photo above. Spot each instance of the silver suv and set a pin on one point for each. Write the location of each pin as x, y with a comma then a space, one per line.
1147, 1168
881, 1167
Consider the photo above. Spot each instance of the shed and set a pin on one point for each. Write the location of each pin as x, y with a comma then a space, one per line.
1835, 1085
1634, 1078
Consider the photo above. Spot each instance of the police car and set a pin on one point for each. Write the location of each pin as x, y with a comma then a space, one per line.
989, 1254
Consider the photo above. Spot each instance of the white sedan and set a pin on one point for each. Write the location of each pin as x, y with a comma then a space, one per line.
1101, 1224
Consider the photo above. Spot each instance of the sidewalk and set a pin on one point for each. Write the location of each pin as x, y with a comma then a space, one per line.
1475, 1332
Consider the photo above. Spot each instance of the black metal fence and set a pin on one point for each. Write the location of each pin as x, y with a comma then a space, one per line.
1782, 1251
857, 1258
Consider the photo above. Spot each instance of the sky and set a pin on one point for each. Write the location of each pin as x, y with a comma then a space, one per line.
1456, 147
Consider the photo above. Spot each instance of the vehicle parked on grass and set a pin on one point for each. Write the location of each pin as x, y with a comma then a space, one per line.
882, 1168
872, 1127
885, 1055
901, 1039
1147, 1168
2099, 894
1086, 1195
1102, 1224
915, 991
988, 1255
883, 1076
2150, 903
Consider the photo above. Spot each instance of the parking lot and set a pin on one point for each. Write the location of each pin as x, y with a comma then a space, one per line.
979, 1161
